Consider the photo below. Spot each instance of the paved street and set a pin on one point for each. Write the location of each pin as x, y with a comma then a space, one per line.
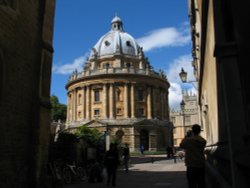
144, 173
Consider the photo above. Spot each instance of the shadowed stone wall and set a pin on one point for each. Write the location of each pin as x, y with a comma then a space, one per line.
26, 30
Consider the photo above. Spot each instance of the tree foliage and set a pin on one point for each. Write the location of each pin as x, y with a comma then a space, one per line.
63, 149
91, 135
58, 110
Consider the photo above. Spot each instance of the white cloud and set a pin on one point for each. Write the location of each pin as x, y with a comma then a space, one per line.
165, 37
175, 90
68, 68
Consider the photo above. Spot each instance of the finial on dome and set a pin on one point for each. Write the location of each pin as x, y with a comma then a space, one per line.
116, 23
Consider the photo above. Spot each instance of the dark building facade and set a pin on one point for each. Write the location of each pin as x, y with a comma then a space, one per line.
220, 56
26, 30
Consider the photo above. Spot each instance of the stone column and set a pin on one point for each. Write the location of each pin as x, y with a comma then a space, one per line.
83, 103
149, 102
125, 100
68, 107
166, 105
87, 102
132, 96
162, 103
105, 112
73, 105
111, 101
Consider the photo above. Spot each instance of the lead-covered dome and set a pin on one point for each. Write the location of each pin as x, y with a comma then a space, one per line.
116, 41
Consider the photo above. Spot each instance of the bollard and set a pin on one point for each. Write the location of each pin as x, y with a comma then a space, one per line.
174, 159
152, 159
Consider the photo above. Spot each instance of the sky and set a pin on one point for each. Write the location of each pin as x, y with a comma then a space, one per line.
161, 27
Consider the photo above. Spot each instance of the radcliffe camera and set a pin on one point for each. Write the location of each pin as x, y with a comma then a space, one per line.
124, 93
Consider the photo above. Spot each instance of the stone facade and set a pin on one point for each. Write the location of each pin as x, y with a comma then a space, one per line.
220, 55
120, 93
183, 122
25, 69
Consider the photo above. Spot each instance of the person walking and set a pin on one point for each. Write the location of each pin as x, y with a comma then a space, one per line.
142, 149
111, 161
169, 151
126, 156
194, 146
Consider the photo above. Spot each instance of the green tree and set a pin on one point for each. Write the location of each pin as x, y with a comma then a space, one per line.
66, 147
58, 110
91, 135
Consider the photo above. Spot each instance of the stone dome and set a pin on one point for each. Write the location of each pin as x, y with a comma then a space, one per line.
116, 41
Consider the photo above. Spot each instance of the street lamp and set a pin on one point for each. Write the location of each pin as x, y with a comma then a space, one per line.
182, 105
183, 77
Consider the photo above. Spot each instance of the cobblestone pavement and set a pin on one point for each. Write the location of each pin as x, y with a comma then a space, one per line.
146, 172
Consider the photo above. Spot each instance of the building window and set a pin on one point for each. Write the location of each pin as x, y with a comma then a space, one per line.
106, 65
107, 43
119, 111
141, 112
140, 96
70, 101
118, 95
79, 99
79, 114
97, 112
187, 119
97, 96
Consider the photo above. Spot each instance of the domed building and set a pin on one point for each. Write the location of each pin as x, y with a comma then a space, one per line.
120, 94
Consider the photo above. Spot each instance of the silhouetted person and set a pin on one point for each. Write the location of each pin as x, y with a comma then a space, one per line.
111, 161
142, 148
169, 152
126, 156
194, 146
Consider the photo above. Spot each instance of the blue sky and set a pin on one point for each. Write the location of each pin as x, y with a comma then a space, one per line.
161, 27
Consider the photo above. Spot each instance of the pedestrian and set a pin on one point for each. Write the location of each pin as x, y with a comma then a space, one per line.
194, 146
111, 162
169, 151
142, 149
126, 156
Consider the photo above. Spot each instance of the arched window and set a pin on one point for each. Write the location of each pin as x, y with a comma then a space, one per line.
106, 65
128, 43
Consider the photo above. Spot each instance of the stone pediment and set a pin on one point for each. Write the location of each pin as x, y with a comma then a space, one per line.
95, 123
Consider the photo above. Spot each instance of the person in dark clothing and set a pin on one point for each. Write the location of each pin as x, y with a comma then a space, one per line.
194, 146
142, 149
111, 161
169, 152
126, 156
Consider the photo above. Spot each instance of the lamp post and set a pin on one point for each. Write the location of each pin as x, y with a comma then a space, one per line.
107, 139
183, 77
182, 104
